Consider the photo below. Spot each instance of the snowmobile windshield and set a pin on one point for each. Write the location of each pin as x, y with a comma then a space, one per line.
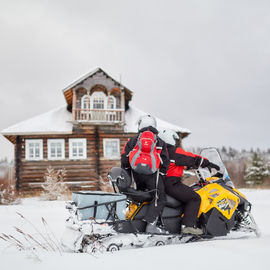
213, 156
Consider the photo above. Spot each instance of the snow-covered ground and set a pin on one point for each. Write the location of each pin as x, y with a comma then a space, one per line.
243, 253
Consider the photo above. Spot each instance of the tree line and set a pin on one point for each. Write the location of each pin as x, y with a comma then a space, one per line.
247, 168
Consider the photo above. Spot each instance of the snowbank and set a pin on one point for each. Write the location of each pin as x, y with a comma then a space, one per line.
223, 253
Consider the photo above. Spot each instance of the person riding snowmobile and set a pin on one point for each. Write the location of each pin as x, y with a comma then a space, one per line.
148, 167
179, 159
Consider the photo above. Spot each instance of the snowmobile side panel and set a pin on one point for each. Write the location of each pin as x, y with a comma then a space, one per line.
215, 196
244, 203
167, 212
129, 226
171, 212
216, 224
172, 225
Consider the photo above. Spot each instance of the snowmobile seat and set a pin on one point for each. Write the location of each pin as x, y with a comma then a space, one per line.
138, 195
120, 179
147, 196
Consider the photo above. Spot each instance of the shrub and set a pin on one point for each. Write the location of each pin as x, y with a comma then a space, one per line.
8, 194
54, 187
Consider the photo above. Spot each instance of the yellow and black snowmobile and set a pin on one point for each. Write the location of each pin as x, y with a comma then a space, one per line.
116, 220
223, 208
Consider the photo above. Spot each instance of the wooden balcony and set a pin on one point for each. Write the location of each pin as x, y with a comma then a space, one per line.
98, 116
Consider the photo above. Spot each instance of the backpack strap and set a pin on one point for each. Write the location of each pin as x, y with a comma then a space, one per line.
159, 148
133, 183
157, 178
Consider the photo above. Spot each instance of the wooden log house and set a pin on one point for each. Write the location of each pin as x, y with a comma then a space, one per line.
85, 136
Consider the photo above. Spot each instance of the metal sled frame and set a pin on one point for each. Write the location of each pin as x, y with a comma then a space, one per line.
111, 207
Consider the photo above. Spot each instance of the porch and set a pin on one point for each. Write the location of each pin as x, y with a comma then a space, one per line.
99, 115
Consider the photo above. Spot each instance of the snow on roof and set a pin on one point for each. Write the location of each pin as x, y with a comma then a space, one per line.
81, 79
91, 73
54, 121
59, 121
133, 114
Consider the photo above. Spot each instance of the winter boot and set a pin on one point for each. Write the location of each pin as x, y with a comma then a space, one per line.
152, 228
191, 230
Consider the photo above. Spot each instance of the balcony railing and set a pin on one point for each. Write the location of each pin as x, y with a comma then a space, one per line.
90, 115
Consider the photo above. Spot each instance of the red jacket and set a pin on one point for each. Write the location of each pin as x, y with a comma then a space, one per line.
179, 159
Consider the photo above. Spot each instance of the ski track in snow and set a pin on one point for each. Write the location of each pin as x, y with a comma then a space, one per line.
221, 253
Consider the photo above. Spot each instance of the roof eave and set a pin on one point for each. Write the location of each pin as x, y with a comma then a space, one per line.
35, 133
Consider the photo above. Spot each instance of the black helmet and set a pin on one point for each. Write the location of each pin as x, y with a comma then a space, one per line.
120, 178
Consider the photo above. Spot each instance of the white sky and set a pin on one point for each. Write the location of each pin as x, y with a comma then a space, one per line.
203, 65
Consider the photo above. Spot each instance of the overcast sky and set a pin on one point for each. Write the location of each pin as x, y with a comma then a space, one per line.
203, 65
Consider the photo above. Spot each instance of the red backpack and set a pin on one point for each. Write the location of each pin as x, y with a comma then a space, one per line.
145, 157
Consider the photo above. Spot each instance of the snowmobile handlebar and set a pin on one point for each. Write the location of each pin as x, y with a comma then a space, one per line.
202, 180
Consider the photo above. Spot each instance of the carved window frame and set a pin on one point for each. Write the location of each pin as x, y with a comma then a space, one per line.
85, 100
98, 98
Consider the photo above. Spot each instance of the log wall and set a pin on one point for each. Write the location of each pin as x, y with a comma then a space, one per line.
81, 174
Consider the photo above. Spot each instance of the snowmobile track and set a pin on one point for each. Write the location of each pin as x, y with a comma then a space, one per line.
121, 241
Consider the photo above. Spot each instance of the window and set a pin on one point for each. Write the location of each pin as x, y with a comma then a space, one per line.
56, 149
77, 148
118, 103
85, 102
98, 100
111, 148
112, 102
34, 149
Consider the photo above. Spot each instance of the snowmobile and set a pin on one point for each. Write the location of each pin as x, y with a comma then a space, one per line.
117, 222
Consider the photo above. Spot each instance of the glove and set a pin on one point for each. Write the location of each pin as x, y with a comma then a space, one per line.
213, 166
207, 164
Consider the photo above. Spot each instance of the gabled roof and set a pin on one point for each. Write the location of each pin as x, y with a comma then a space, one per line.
86, 76
68, 90
91, 74
59, 121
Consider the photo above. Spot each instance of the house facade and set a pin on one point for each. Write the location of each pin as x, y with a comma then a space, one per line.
85, 136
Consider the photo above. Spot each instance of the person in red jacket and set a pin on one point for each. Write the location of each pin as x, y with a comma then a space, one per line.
179, 159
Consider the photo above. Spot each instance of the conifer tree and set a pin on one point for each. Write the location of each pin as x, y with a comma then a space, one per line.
257, 171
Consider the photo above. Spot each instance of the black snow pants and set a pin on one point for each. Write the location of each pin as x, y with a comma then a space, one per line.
148, 182
186, 195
